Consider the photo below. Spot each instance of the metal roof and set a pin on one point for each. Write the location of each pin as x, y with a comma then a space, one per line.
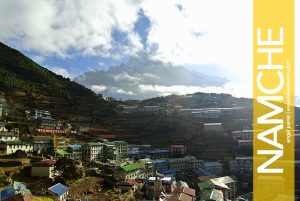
59, 189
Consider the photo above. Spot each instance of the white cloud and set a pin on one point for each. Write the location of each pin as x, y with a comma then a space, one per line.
204, 32
230, 88
125, 77
98, 88
55, 27
61, 71
121, 91
185, 32
39, 59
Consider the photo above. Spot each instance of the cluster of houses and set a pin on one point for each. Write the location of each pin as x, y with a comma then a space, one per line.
19, 192
139, 168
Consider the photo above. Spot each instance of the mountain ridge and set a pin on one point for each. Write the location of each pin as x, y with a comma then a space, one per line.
25, 84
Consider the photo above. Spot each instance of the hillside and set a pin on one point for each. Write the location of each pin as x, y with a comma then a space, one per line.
25, 84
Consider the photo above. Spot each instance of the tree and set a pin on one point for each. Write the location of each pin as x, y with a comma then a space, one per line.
67, 169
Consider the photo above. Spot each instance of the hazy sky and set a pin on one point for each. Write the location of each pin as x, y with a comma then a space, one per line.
212, 37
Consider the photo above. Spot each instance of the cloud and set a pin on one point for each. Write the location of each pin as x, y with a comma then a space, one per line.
142, 77
64, 28
38, 59
98, 88
160, 90
195, 34
123, 76
61, 71
203, 33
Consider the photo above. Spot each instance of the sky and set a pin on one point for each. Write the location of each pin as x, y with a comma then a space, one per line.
82, 39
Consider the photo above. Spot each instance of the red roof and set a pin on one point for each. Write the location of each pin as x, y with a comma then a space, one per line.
185, 190
189, 191
177, 145
47, 162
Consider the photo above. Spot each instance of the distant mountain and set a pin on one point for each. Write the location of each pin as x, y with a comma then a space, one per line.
25, 84
142, 78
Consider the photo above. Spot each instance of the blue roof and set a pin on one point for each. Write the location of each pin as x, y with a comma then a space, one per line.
204, 172
211, 164
74, 145
19, 186
159, 151
59, 189
160, 161
7, 192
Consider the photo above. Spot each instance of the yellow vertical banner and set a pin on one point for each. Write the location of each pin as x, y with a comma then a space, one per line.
273, 105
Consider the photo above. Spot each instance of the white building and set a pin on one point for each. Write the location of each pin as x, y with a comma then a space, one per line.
92, 151
241, 165
242, 135
75, 150
121, 149
60, 191
8, 136
10, 147
214, 127
42, 143
43, 168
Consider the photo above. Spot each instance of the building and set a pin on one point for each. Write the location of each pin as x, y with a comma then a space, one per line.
213, 167
245, 197
92, 151
45, 122
121, 149
231, 183
241, 165
140, 169
60, 142
37, 114
10, 147
60, 191
242, 135
110, 151
136, 109
178, 149
42, 144
43, 168
130, 109
212, 195
75, 151
213, 127
245, 143
3, 127
1, 109
175, 166
133, 150
187, 163
8, 136
14, 192
149, 109
204, 113
156, 185
182, 194
134, 171
129, 184
226, 185
42, 118
160, 153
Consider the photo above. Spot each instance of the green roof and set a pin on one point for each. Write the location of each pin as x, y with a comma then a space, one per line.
120, 142
95, 144
245, 197
63, 152
206, 185
15, 142
212, 195
133, 166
